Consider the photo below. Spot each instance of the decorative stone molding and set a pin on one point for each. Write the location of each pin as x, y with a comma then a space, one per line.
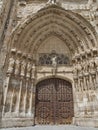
68, 16
23, 73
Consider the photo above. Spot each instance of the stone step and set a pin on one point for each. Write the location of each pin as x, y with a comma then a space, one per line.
56, 127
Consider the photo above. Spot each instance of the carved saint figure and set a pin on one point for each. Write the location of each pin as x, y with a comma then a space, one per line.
33, 71
79, 68
29, 66
11, 65
92, 65
23, 67
75, 70
85, 67
17, 66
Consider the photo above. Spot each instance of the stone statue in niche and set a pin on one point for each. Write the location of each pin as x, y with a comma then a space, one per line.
75, 70
23, 66
92, 65
17, 65
29, 67
11, 65
85, 67
80, 68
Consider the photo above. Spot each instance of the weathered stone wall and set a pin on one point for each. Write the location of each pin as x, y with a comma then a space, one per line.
6, 20
19, 31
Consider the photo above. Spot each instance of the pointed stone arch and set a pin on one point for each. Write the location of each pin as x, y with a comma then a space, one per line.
72, 28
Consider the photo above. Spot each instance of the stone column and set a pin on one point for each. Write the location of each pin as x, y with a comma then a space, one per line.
87, 81
5, 92
11, 103
28, 75
91, 84
9, 73
33, 108
96, 65
93, 81
17, 74
25, 96
33, 77
31, 99
22, 75
84, 83
19, 98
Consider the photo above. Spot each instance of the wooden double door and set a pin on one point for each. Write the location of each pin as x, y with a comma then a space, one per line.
54, 102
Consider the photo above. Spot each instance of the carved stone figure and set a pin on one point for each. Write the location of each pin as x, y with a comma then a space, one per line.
29, 67
80, 69
85, 67
17, 65
54, 62
11, 65
23, 67
33, 71
75, 70
92, 66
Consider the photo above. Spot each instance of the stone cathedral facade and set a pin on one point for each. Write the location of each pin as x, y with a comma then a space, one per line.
48, 62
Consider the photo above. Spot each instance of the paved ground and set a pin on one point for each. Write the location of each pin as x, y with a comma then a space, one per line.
49, 127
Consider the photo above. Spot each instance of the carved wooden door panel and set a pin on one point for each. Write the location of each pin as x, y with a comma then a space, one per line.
54, 102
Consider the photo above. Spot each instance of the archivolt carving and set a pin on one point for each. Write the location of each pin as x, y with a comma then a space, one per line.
62, 32
56, 15
67, 40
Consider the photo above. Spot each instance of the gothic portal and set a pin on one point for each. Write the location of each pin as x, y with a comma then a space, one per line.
48, 62
54, 102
